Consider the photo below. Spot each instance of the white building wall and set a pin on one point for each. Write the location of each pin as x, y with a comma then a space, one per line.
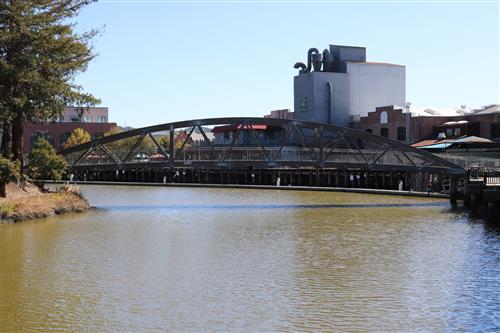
372, 85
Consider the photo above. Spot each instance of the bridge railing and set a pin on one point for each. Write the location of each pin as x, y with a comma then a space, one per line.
249, 154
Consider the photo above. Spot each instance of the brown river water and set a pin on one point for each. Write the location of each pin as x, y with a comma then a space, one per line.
194, 259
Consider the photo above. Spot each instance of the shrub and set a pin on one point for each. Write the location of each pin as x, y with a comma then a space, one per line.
44, 163
6, 209
9, 172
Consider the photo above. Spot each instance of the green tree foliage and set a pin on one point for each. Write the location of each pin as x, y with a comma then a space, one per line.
164, 141
128, 143
40, 55
9, 172
44, 163
77, 137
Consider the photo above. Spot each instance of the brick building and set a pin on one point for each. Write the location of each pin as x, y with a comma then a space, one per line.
280, 114
390, 122
93, 120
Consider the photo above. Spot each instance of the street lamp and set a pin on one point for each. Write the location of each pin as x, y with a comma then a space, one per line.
408, 123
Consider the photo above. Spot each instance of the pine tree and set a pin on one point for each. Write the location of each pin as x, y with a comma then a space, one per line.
44, 163
77, 137
40, 54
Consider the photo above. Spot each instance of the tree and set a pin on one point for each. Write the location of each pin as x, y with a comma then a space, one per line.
44, 163
125, 145
9, 172
40, 55
164, 141
77, 137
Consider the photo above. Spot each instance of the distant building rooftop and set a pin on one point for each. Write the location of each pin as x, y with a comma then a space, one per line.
493, 108
417, 111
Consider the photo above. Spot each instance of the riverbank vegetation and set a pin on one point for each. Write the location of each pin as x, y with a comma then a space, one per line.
44, 163
9, 172
41, 53
22, 196
30, 202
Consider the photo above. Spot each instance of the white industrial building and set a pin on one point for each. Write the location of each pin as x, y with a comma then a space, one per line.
339, 86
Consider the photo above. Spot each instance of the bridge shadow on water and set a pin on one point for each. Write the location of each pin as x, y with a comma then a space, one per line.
272, 206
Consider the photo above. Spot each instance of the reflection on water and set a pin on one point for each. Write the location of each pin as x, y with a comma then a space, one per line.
275, 206
220, 259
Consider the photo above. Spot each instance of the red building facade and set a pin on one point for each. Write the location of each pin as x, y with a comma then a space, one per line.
93, 120
58, 133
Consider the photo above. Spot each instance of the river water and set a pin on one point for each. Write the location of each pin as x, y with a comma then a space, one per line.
193, 259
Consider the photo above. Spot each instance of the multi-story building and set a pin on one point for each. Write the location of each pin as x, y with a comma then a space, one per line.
339, 86
89, 115
93, 120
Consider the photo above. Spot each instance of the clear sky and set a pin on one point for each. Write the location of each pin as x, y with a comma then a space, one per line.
161, 61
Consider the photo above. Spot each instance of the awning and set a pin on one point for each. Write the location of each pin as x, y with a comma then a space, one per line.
437, 146
235, 127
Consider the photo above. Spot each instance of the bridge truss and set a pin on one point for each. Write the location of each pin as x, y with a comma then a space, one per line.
252, 143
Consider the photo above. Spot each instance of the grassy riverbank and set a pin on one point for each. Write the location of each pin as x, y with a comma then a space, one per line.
31, 203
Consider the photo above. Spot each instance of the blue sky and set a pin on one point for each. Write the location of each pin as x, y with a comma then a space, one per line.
161, 61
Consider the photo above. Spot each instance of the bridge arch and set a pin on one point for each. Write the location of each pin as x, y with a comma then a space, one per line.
288, 144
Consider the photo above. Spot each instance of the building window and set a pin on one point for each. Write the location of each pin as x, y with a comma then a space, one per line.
101, 119
495, 130
303, 104
383, 117
87, 119
369, 130
384, 131
74, 119
226, 135
401, 133
449, 132
457, 132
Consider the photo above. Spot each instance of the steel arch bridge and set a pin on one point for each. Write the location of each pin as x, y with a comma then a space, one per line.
250, 144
